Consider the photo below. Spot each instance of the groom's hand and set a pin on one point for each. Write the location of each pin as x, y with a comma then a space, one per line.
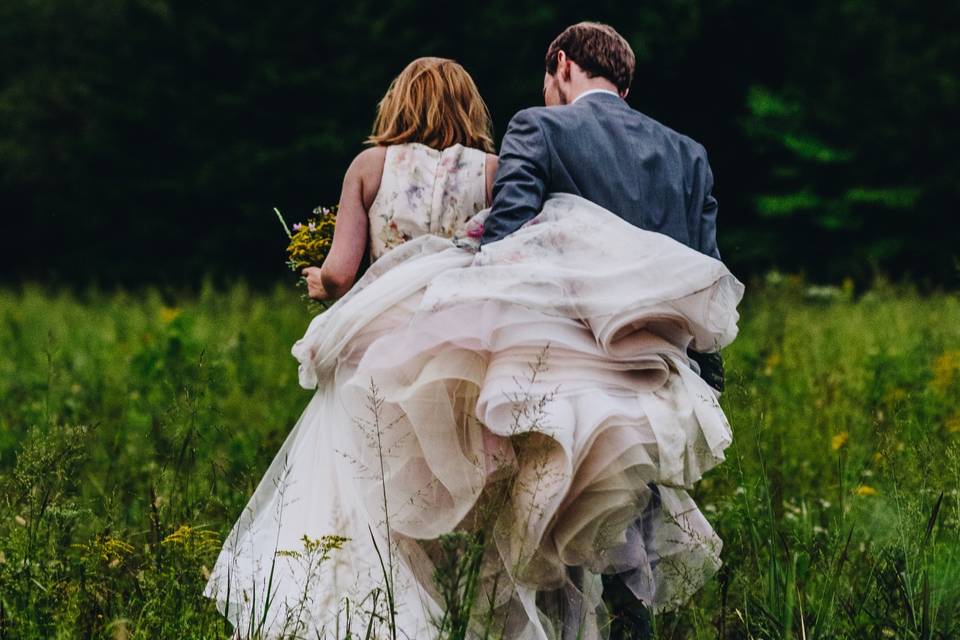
315, 287
711, 367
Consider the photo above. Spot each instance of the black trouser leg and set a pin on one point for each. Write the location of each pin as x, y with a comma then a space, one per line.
629, 619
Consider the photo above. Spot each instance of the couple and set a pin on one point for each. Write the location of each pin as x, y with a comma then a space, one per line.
509, 408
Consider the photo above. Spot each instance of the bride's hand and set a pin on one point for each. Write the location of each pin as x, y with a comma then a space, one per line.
315, 287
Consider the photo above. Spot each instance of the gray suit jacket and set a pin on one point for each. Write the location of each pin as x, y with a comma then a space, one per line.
602, 150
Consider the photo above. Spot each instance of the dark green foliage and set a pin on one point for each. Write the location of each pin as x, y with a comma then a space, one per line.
860, 167
148, 140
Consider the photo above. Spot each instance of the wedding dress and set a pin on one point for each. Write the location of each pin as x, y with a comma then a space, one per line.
534, 394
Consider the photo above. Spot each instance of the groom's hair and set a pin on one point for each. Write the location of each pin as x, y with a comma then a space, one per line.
598, 49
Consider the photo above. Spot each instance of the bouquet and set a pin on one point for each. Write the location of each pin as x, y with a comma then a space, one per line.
310, 242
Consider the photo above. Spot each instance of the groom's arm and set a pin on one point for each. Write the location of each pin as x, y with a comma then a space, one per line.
709, 364
521, 182
708, 214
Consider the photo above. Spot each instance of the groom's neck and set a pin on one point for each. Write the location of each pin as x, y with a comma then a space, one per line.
584, 84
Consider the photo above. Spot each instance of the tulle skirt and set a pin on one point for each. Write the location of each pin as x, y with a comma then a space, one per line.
535, 396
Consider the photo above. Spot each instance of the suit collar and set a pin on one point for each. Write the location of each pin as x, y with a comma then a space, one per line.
595, 92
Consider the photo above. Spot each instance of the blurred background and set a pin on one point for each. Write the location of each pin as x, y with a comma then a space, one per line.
146, 141
146, 311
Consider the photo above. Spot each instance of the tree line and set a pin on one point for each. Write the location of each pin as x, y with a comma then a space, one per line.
147, 141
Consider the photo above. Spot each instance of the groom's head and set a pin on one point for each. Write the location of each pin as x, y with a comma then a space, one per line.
587, 55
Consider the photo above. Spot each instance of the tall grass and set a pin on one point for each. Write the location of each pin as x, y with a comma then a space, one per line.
134, 428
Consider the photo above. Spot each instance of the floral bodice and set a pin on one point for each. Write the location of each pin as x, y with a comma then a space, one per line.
426, 191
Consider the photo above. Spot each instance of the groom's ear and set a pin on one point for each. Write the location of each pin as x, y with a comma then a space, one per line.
625, 93
563, 65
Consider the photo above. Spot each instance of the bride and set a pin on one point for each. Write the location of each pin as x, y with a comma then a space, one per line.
492, 431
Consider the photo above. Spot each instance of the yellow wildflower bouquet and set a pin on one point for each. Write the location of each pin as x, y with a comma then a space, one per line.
310, 242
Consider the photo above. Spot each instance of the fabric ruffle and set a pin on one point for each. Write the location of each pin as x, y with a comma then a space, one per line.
538, 390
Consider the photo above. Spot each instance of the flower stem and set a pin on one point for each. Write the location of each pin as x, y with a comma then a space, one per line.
283, 222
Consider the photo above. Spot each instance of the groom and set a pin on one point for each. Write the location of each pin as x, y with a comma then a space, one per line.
589, 142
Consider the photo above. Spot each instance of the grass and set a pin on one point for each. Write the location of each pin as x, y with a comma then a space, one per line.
133, 429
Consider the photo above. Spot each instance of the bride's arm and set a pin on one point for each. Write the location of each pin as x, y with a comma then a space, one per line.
491, 172
360, 186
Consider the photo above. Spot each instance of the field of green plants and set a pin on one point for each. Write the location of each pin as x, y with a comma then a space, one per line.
133, 428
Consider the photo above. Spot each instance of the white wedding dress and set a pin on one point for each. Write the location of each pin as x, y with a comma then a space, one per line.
537, 391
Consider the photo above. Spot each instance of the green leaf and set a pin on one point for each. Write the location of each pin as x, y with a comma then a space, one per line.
810, 148
779, 206
895, 198
763, 103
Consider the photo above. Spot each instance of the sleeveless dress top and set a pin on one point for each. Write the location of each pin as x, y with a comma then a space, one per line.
426, 191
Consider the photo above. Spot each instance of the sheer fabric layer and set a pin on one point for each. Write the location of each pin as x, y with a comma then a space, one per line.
537, 391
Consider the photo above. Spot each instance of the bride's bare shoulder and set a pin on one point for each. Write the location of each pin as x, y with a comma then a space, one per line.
370, 161
367, 168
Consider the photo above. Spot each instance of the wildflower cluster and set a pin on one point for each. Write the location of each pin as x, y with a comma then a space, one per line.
310, 242
197, 540
111, 551
315, 547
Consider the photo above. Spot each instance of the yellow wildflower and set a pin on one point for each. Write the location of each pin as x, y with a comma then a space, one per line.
865, 490
895, 395
193, 538
310, 243
121, 630
108, 549
773, 361
953, 423
847, 287
319, 548
168, 314
945, 370
839, 441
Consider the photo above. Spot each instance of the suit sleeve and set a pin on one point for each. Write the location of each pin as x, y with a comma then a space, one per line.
708, 215
521, 181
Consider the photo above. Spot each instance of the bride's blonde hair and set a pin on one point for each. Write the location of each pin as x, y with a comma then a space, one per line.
435, 102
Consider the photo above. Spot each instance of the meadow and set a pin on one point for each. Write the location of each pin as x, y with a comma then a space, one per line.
134, 426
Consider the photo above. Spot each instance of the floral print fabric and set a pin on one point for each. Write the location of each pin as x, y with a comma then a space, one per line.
426, 191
